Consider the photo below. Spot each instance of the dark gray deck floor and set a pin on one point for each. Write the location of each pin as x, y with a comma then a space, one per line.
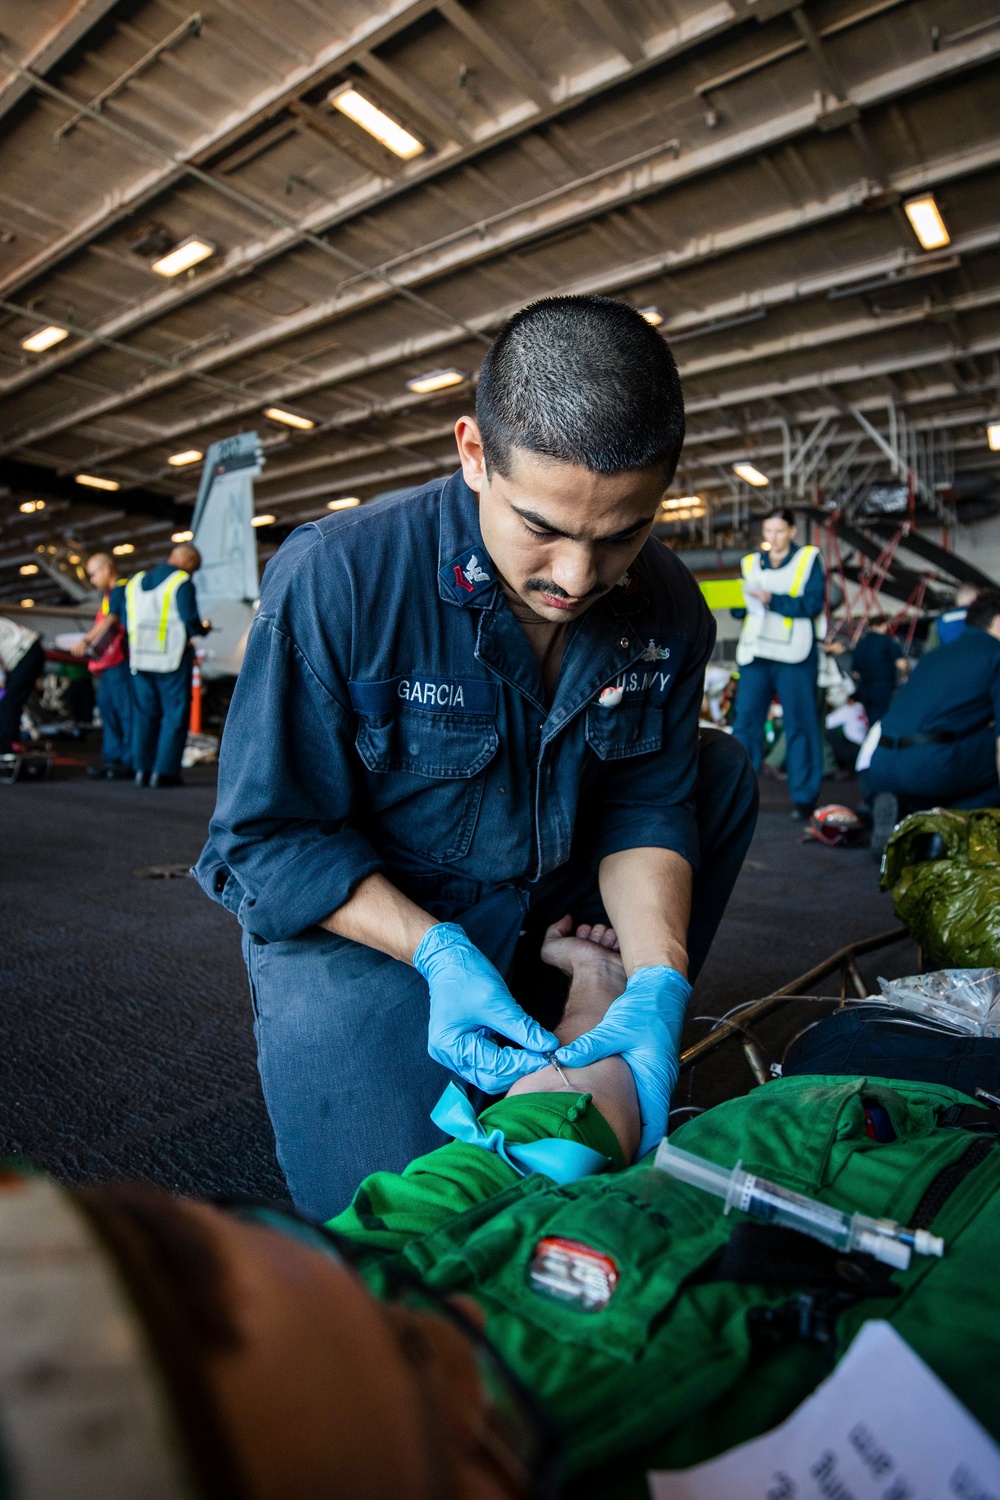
126, 1047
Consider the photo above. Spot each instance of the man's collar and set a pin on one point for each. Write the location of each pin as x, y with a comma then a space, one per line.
465, 571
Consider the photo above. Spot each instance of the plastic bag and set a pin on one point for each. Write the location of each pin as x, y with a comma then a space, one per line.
967, 999
943, 869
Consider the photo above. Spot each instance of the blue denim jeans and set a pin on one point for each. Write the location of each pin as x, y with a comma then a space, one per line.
341, 1029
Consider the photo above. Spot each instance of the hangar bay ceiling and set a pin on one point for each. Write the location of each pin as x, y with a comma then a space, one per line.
309, 217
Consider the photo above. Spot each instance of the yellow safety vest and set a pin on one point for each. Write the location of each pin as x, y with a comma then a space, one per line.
766, 634
157, 636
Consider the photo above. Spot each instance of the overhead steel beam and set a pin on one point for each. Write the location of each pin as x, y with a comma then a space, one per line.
267, 103
614, 28
245, 200
861, 327
418, 99
844, 374
497, 50
606, 190
80, 18
190, 27
718, 16
898, 263
696, 252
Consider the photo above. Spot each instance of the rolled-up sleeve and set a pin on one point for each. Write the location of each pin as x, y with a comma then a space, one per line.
284, 823
648, 801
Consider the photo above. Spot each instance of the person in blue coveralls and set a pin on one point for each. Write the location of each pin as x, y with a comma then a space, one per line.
107, 646
949, 625
875, 668
160, 613
784, 589
463, 714
940, 739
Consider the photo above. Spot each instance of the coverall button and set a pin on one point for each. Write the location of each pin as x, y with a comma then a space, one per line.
624, 641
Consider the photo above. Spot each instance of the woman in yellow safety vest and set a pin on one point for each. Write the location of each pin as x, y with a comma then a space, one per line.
783, 586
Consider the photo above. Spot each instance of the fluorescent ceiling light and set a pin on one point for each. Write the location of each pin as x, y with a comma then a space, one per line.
927, 223
182, 536
992, 437
344, 504
263, 520
434, 380
682, 502
652, 315
36, 343
377, 123
92, 481
27, 603
289, 418
189, 456
27, 569
751, 475
28, 507
123, 549
183, 256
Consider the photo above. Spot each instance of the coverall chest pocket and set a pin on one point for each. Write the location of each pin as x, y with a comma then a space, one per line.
634, 727
425, 784
594, 1267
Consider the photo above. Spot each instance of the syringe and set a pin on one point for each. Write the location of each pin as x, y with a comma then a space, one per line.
886, 1240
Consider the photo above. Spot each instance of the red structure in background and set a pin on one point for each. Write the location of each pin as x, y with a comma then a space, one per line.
873, 574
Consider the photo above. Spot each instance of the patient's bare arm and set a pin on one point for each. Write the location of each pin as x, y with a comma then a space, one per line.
592, 961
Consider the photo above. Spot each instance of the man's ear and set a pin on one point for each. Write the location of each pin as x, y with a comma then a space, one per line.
470, 453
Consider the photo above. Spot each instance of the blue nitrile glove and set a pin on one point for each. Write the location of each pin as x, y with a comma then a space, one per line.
469, 1003
644, 1026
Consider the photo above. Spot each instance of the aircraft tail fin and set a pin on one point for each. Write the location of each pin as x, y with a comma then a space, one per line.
222, 516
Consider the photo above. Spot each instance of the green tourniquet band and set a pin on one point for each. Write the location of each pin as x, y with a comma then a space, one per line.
388, 1211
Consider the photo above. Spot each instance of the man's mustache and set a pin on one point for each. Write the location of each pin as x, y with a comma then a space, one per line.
546, 586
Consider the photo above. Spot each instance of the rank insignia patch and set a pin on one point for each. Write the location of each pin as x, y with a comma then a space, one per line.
568, 1271
467, 574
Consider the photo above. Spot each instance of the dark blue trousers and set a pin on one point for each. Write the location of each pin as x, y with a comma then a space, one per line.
962, 774
794, 684
876, 693
162, 714
342, 1029
114, 699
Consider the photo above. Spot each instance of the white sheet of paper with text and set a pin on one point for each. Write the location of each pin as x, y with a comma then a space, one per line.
881, 1427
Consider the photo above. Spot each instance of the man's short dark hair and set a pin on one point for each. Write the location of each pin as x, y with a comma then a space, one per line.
984, 609
585, 380
781, 513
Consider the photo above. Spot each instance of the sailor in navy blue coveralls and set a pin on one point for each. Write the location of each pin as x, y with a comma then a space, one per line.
390, 716
162, 700
938, 745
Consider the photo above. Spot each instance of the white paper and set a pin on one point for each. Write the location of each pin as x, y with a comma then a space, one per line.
67, 641
881, 1427
754, 606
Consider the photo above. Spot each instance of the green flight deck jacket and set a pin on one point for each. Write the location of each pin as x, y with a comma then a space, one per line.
653, 1332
